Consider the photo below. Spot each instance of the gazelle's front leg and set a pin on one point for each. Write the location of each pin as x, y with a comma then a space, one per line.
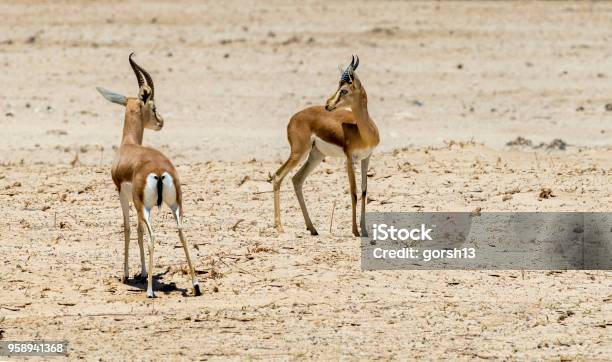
351, 174
364, 194
125, 207
194, 279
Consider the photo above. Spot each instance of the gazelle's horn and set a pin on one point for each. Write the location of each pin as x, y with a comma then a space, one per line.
345, 77
356, 60
139, 77
138, 69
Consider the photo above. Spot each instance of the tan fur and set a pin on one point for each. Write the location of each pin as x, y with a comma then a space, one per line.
134, 163
350, 130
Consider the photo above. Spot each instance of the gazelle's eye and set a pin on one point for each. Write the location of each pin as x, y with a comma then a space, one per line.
343, 92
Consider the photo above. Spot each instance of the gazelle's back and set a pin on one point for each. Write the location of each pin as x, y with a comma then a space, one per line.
323, 124
131, 158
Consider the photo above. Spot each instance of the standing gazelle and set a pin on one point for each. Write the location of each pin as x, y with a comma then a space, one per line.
144, 175
317, 132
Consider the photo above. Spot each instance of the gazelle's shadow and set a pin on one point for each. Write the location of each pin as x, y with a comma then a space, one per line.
158, 284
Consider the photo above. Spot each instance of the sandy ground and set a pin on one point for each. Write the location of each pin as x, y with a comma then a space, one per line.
228, 77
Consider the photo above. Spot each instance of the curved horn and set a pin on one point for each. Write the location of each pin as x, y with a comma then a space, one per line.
140, 71
356, 59
345, 77
135, 68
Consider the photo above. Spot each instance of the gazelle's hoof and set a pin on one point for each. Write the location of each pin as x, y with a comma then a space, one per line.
140, 277
356, 233
124, 279
196, 290
314, 232
150, 294
364, 233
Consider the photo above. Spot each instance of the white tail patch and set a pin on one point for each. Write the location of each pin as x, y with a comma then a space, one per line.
169, 190
150, 192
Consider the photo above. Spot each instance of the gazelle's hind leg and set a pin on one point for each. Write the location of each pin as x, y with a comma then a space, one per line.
276, 184
314, 159
143, 269
299, 148
145, 216
124, 198
364, 194
143, 202
194, 280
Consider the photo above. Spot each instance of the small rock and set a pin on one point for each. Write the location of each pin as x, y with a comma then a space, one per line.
546, 193
520, 141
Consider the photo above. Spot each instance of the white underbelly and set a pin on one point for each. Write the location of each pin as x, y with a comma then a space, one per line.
332, 150
328, 149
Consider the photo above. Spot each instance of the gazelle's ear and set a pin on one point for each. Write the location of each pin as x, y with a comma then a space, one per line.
145, 93
352, 68
351, 74
112, 96
356, 82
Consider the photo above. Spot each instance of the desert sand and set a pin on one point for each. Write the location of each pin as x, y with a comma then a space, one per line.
449, 85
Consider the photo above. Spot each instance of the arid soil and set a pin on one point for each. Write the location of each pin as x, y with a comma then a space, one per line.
449, 85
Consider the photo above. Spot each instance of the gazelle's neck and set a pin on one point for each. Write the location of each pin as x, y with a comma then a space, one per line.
133, 128
365, 124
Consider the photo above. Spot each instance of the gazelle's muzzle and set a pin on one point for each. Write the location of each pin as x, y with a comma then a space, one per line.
332, 102
160, 122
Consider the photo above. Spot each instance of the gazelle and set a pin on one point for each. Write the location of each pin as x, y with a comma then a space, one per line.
318, 132
144, 175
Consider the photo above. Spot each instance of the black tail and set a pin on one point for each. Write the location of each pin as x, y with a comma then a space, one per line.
160, 186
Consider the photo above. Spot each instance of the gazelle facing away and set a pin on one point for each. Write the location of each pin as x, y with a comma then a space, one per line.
318, 132
144, 175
